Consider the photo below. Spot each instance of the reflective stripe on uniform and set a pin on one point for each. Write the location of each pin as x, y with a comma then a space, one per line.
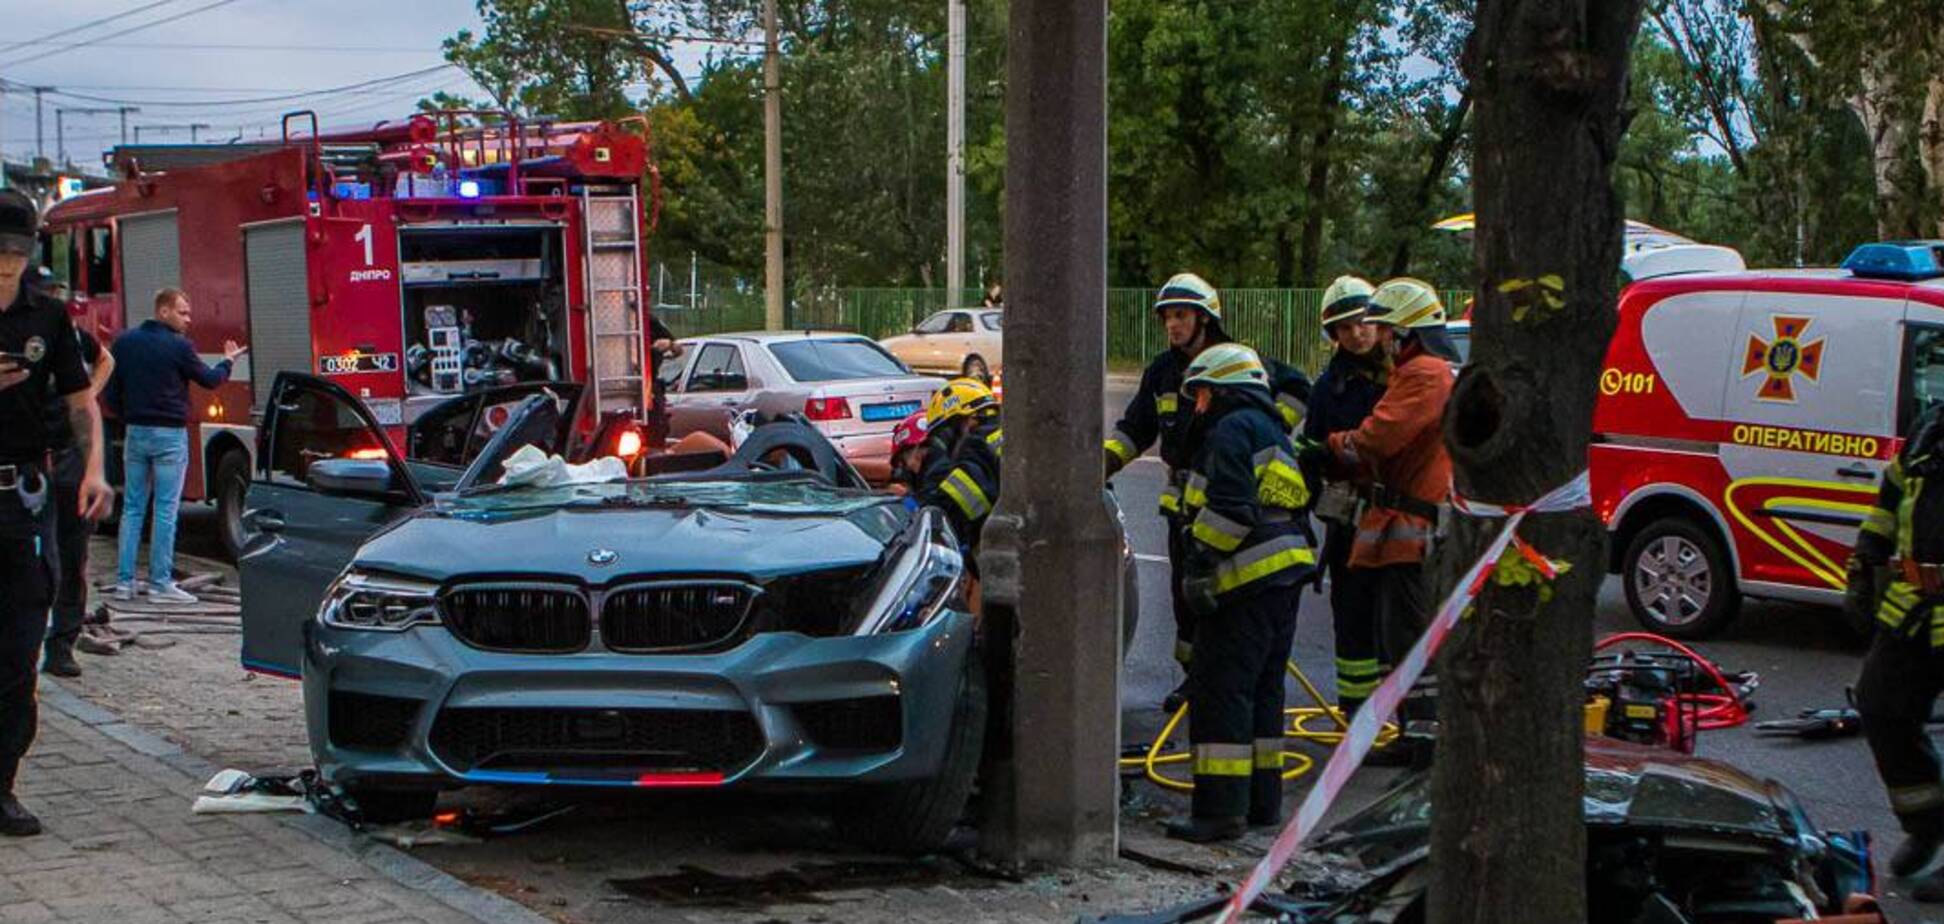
1217, 531
1291, 410
1881, 522
1224, 759
1262, 560
1358, 677
1907, 517
1268, 754
1170, 500
1195, 494
967, 494
1122, 446
1905, 800
1165, 404
1898, 598
1357, 689
1278, 479
1184, 650
997, 440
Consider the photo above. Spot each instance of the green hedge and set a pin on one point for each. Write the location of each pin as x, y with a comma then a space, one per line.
1281, 323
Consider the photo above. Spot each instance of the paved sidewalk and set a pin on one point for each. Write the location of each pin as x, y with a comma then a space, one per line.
121, 846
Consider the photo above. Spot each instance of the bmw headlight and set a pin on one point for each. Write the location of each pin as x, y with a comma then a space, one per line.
927, 578
379, 603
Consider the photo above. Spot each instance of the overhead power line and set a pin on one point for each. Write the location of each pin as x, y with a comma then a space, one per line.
255, 100
128, 31
86, 25
247, 46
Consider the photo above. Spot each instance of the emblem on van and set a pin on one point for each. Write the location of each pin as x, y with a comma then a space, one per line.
1783, 358
603, 557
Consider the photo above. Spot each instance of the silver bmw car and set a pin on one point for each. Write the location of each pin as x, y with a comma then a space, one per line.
758, 619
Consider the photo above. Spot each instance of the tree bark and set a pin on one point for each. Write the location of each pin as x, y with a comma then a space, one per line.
1318, 188
1548, 80
1434, 171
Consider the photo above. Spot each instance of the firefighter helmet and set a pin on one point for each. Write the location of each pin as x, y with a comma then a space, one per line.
959, 398
910, 432
1187, 290
1345, 299
1407, 303
1230, 364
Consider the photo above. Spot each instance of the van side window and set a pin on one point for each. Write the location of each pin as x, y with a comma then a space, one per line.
1923, 386
101, 260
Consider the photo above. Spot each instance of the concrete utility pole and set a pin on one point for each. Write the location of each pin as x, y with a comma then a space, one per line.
1050, 555
40, 147
772, 172
125, 110
955, 152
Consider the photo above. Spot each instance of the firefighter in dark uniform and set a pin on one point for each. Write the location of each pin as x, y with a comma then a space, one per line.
39, 359
1345, 394
1191, 311
1245, 561
961, 469
1897, 574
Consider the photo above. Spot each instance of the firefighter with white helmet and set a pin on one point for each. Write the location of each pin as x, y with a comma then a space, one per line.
1244, 563
1399, 448
1344, 395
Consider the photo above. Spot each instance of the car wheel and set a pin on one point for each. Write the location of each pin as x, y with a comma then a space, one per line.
232, 486
975, 368
1678, 579
918, 816
386, 806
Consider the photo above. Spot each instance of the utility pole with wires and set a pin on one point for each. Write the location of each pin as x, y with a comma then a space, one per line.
772, 173
955, 152
40, 146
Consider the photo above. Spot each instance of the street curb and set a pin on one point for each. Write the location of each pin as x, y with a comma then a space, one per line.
396, 865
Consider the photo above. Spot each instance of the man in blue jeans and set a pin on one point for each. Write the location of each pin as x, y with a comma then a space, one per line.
154, 364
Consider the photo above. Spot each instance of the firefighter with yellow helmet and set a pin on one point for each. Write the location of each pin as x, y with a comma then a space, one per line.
961, 469
1243, 566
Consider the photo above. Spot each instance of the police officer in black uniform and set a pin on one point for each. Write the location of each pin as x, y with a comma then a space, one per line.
39, 359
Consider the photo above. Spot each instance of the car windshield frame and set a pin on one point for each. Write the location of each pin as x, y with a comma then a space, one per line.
791, 493
790, 354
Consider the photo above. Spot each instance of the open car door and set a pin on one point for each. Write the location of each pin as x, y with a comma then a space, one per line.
327, 479
454, 432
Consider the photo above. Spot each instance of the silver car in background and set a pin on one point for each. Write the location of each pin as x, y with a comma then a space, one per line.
845, 385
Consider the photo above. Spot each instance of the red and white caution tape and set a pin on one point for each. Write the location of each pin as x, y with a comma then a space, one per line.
1385, 699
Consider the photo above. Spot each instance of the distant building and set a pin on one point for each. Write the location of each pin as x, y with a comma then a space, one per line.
46, 185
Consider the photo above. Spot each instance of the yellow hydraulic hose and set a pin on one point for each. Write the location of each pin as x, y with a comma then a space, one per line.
1295, 763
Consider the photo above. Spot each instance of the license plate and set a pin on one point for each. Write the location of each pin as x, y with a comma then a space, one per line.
898, 411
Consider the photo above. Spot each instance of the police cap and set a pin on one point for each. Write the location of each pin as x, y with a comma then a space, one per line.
19, 220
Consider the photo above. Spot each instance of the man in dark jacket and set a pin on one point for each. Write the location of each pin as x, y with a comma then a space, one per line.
1245, 563
69, 466
1344, 395
154, 364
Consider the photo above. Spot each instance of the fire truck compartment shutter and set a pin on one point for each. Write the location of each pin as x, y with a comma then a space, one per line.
280, 329
151, 260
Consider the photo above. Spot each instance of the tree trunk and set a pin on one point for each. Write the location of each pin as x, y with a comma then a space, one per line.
1434, 171
1548, 80
1319, 161
1930, 148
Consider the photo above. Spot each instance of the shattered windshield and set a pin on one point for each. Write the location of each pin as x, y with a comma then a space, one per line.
793, 496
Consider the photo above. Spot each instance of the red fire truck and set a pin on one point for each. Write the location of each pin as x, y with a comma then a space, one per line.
409, 262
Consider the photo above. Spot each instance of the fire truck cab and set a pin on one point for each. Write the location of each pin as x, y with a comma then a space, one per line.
1744, 421
410, 263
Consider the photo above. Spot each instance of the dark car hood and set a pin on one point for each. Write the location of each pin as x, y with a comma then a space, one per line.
436, 545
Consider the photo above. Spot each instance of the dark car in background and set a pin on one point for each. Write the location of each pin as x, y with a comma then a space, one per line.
767, 619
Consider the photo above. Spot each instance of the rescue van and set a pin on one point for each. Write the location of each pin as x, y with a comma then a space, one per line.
1744, 422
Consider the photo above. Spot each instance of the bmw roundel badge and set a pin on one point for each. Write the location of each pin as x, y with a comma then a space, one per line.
603, 557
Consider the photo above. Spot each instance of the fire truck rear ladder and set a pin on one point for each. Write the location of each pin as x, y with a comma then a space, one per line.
616, 325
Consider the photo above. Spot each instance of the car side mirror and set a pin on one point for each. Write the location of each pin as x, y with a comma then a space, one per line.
370, 478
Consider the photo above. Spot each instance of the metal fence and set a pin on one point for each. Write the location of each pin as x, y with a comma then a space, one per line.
1281, 323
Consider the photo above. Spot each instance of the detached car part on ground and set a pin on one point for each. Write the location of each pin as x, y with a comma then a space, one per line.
1671, 839
767, 620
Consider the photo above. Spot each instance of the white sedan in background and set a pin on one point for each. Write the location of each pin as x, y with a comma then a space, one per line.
845, 385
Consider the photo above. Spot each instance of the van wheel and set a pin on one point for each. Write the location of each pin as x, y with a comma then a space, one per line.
1679, 583
918, 816
232, 486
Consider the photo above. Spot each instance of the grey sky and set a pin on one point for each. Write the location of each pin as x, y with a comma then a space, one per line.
292, 46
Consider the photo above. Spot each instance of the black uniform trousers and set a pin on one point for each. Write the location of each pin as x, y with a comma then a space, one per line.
1184, 618
1901, 680
1360, 663
1403, 596
71, 532
1235, 709
26, 591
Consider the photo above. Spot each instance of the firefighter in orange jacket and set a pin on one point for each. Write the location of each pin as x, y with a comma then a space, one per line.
1401, 447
